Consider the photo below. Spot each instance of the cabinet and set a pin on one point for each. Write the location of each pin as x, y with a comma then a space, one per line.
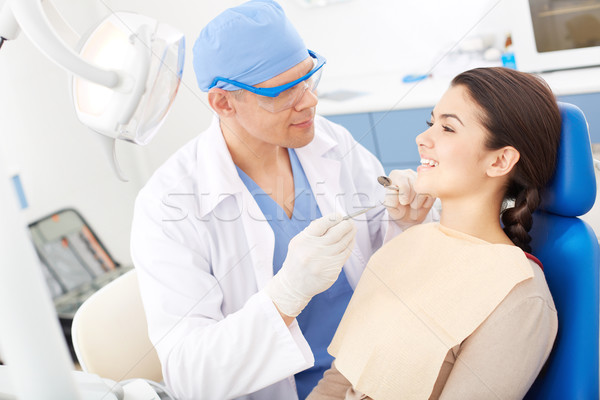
390, 135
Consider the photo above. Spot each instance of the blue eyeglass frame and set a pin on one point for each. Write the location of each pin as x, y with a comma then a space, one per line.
276, 90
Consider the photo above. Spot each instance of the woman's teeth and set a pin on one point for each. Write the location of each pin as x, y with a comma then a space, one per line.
429, 163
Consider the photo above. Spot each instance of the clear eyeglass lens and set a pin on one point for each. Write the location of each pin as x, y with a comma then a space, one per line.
290, 97
314, 80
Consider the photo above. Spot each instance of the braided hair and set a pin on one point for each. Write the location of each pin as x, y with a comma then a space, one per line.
519, 110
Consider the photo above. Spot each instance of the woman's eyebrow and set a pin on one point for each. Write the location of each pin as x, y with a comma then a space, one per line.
449, 116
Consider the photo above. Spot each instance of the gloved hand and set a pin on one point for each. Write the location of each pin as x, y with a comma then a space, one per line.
314, 260
405, 206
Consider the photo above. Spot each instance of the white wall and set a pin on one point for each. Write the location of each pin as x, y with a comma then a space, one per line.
379, 36
58, 159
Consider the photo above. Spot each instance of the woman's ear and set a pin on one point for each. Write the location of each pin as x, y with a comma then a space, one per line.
503, 162
221, 101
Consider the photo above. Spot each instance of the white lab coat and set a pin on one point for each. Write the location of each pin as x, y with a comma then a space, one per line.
204, 251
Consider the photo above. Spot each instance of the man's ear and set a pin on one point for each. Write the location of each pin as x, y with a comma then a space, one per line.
503, 161
221, 101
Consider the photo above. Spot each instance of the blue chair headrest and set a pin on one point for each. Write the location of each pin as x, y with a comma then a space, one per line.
572, 190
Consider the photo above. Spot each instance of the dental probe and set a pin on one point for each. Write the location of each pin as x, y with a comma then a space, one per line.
357, 213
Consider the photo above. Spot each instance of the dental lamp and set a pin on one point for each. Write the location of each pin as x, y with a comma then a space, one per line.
125, 75
125, 78
148, 64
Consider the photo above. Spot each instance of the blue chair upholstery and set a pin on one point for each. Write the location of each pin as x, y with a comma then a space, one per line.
568, 249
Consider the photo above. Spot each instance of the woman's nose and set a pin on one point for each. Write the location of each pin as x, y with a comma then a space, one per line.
424, 139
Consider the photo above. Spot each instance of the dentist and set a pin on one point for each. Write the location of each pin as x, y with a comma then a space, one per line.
238, 238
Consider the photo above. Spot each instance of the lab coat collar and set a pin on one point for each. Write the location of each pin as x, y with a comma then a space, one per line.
221, 178
322, 168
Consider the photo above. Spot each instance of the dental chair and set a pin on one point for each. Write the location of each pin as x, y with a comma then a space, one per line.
568, 249
110, 333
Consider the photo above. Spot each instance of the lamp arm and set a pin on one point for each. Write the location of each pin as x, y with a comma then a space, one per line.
30, 16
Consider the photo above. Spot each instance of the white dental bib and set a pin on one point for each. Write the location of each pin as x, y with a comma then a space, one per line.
421, 294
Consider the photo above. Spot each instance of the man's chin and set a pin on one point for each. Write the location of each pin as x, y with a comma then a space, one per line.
302, 139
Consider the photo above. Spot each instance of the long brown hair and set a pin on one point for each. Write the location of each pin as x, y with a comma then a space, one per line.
519, 110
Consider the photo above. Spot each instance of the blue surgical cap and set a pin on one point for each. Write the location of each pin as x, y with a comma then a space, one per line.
250, 43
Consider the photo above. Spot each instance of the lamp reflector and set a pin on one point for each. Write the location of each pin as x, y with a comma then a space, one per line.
149, 58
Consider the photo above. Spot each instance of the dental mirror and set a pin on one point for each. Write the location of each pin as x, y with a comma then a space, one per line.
387, 183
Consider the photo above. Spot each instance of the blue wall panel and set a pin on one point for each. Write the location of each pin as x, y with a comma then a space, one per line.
395, 132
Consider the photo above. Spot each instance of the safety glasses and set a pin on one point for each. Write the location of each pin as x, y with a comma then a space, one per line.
279, 98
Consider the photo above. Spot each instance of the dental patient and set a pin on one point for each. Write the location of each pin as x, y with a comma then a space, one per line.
459, 309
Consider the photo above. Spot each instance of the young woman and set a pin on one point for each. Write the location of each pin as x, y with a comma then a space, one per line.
466, 313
